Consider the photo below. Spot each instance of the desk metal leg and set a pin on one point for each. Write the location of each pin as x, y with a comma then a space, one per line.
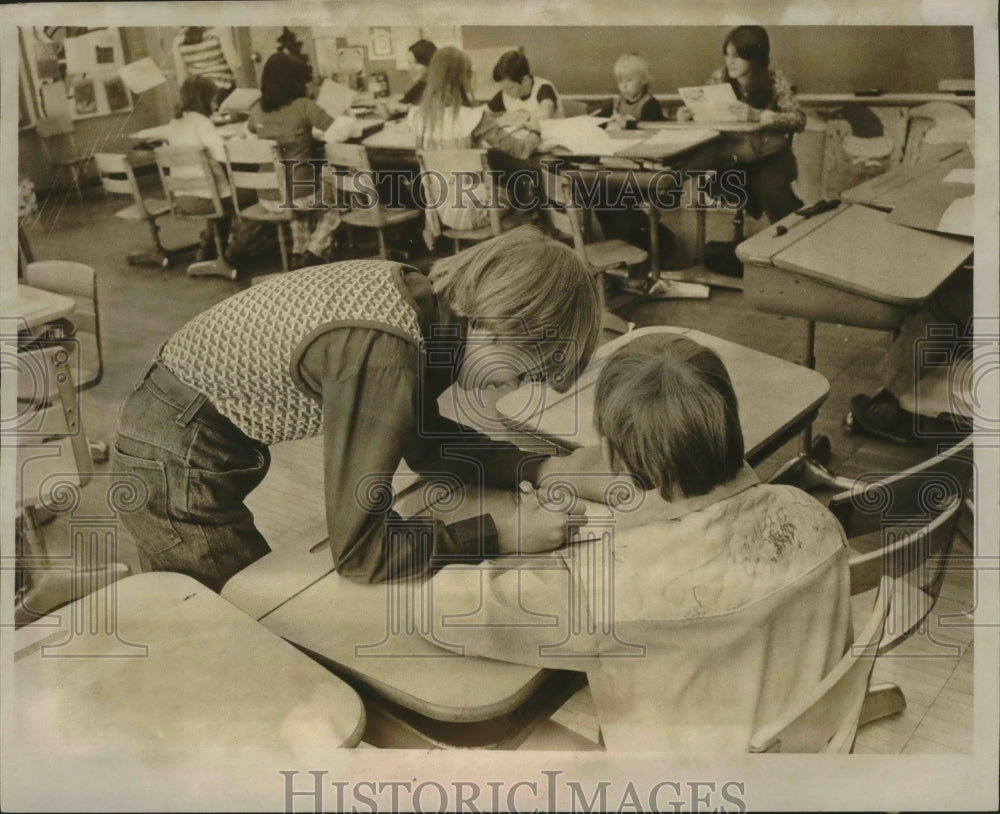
804, 470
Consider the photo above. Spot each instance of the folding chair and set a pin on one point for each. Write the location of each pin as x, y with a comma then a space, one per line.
902, 526
564, 215
472, 169
188, 172
61, 150
118, 178
828, 719
53, 461
251, 165
355, 184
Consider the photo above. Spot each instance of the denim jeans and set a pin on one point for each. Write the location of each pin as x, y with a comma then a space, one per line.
198, 468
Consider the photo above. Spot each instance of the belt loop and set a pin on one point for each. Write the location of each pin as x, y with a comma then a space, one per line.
189, 412
145, 373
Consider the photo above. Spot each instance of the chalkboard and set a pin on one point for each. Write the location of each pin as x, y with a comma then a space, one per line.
817, 59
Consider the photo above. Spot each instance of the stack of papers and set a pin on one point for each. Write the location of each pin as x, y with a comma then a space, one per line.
240, 100
582, 135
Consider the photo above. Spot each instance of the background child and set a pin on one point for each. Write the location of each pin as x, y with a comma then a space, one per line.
770, 100
192, 127
522, 95
286, 115
634, 102
447, 119
718, 600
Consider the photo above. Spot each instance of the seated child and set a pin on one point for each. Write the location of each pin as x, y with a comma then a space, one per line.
634, 102
521, 95
706, 608
192, 127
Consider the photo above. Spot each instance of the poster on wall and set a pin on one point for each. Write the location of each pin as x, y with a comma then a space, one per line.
75, 71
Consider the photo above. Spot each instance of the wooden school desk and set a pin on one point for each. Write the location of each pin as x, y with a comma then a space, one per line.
885, 191
776, 397
851, 266
156, 686
416, 695
32, 308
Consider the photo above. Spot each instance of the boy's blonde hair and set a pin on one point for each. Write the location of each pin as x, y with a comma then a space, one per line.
667, 407
531, 287
633, 65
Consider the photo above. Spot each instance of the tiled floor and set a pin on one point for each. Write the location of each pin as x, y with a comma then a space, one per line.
142, 306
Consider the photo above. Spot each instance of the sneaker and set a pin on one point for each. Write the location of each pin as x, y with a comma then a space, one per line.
882, 417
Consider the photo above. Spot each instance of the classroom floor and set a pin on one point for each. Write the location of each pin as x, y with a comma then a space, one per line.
141, 306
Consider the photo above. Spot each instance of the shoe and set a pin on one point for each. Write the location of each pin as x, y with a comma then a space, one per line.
307, 258
882, 417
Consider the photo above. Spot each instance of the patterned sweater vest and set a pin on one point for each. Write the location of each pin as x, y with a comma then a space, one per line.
243, 352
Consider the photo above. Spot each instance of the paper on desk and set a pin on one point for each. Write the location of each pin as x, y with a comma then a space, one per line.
334, 98
962, 175
142, 75
581, 135
959, 217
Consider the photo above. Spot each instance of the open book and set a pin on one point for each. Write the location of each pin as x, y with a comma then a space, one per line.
713, 103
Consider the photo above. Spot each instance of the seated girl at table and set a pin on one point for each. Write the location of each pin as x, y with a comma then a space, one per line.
286, 115
705, 605
522, 96
192, 127
634, 102
447, 119
770, 100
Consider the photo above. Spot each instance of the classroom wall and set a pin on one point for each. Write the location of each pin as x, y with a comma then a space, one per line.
817, 59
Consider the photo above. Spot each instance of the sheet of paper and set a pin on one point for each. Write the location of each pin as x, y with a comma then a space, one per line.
712, 103
142, 75
962, 175
81, 54
581, 135
334, 98
240, 99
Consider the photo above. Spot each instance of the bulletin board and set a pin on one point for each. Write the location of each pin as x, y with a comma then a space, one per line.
75, 71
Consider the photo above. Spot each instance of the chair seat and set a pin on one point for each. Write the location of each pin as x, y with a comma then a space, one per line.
388, 217
257, 211
155, 208
609, 253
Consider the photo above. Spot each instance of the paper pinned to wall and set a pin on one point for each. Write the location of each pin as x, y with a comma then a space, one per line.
142, 75
81, 54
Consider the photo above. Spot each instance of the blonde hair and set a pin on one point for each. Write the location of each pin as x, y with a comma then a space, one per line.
524, 284
633, 65
449, 87
667, 407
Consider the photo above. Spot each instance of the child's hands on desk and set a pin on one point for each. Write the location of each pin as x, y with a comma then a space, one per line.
527, 522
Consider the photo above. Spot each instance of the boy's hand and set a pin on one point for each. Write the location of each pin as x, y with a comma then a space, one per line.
683, 114
528, 525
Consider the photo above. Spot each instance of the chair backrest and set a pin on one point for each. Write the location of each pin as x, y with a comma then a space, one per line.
353, 179
914, 513
563, 212
188, 171
458, 179
252, 163
827, 719
47, 423
78, 281
117, 176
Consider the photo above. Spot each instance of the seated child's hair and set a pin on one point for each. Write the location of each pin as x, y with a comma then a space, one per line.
633, 65
513, 66
667, 407
197, 95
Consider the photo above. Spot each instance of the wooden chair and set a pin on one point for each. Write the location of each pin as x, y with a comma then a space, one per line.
59, 144
53, 462
566, 221
251, 165
354, 181
471, 165
118, 178
902, 526
188, 171
828, 719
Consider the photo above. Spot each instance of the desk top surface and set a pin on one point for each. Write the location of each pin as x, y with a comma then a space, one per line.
766, 410
35, 306
885, 191
185, 670
858, 250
